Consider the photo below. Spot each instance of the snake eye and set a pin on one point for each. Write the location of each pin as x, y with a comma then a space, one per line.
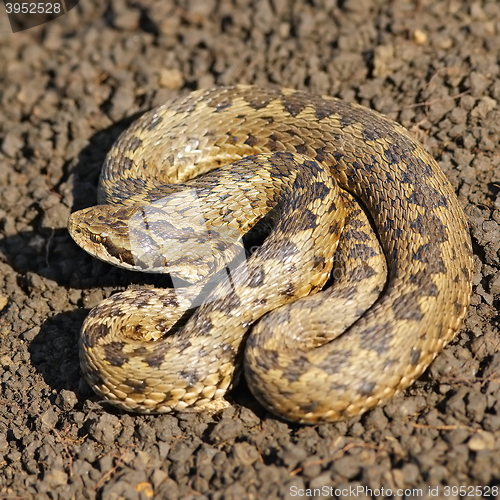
96, 238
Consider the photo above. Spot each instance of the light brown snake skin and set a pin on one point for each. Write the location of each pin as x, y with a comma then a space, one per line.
295, 359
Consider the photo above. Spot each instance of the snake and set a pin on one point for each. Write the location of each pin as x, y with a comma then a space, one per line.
360, 275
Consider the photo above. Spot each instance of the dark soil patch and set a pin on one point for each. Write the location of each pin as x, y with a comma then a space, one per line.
70, 86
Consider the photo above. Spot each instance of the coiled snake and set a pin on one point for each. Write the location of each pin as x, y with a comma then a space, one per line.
320, 164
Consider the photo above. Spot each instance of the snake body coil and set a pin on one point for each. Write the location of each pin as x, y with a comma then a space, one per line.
320, 164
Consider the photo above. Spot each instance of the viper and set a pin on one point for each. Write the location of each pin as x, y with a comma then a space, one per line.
363, 277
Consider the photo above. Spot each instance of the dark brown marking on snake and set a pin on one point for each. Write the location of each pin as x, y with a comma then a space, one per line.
361, 272
406, 307
389, 227
153, 122
204, 326
394, 154
337, 387
349, 292
119, 253
323, 111
294, 103
170, 301
211, 234
204, 351
99, 331
466, 274
135, 143
116, 312
334, 228
320, 155
332, 207
429, 289
232, 300
220, 246
288, 291
360, 251
140, 351
320, 190
332, 369
287, 394
94, 378
263, 98
285, 249
231, 139
415, 356
352, 233
269, 359
366, 388
309, 407
308, 219
355, 167
415, 172
293, 372
347, 119
372, 131
292, 132
251, 140
126, 164
352, 219
260, 302
87, 339
137, 386
154, 359
389, 363
143, 300
223, 106
355, 170
273, 142
190, 376
458, 306
318, 262
417, 278
284, 161
377, 338
162, 326
268, 119
430, 254
257, 276
389, 179
113, 354
226, 348
430, 226
430, 200
301, 149
185, 105
183, 344
144, 218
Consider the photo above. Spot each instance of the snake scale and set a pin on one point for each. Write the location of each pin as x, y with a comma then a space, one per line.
181, 187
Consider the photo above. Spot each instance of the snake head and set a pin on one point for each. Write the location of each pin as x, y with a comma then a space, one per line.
155, 239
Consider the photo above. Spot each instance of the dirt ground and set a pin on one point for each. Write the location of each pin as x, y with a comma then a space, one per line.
69, 87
